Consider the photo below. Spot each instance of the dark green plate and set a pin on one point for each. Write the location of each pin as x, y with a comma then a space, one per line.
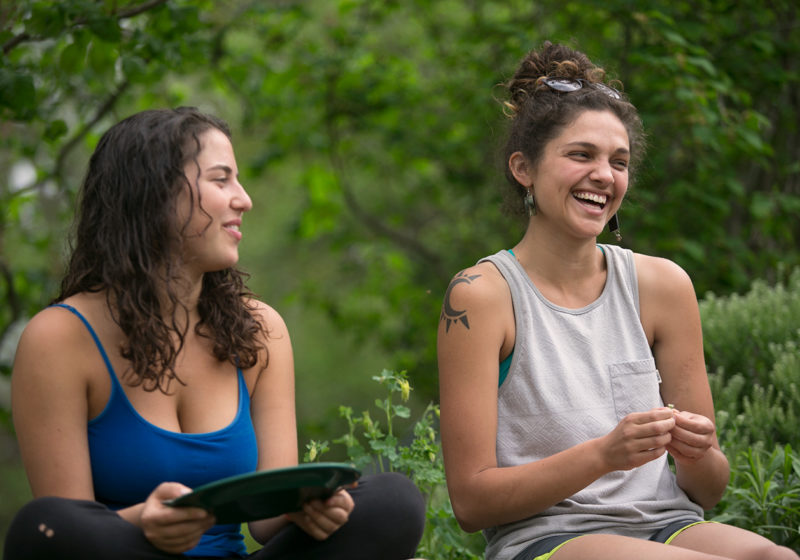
264, 494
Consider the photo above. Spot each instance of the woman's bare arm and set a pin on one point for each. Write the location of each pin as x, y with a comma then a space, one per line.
671, 319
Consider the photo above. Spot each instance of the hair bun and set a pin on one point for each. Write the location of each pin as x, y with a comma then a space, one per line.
550, 60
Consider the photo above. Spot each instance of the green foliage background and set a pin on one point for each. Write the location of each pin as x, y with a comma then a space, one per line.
367, 134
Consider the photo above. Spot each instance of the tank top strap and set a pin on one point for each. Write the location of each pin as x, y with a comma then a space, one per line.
96, 339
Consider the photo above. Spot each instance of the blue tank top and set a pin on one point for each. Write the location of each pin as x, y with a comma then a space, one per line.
130, 456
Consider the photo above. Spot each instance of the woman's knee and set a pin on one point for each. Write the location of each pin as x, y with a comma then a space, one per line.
35, 530
399, 492
779, 553
53, 527
40, 515
390, 502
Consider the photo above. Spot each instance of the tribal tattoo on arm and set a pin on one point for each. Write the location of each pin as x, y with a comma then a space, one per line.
449, 314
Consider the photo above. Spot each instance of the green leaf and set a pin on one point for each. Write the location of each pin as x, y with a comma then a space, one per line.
106, 28
401, 411
17, 92
72, 58
102, 57
761, 206
55, 130
134, 68
46, 20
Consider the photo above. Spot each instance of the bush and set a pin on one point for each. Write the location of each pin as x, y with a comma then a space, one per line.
753, 343
747, 334
374, 447
764, 494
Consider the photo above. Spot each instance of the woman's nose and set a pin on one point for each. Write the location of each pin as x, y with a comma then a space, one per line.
241, 200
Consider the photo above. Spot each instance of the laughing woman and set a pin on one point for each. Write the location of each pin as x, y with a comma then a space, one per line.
556, 357
156, 370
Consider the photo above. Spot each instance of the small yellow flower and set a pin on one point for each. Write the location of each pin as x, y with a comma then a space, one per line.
405, 389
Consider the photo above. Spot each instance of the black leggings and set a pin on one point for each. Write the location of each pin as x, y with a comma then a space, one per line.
386, 523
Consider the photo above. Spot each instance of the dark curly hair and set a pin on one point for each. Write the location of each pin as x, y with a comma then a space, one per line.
538, 113
128, 241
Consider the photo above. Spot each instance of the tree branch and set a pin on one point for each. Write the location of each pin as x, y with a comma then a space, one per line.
12, 299
407, 242
78, 136
125, 13
135, 10
68, 146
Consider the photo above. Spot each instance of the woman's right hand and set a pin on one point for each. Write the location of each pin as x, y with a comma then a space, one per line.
173, 529
639, 438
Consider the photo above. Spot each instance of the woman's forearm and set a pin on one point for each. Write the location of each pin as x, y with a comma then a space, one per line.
705, 481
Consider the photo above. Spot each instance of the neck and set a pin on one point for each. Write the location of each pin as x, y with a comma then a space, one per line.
560, 254
565, 265
184, 310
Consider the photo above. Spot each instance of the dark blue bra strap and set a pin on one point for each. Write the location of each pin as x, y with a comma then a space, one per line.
91, 332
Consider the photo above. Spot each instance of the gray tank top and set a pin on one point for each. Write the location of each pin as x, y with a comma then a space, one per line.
574, 375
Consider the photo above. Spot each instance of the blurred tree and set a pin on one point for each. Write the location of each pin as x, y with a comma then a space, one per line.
381, 120
387, 112
69, 69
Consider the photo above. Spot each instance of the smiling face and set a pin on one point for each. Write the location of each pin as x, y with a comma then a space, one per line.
210, 211
582, 176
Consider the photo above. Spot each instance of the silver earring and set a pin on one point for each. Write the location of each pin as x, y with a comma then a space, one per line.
530, 203
613, 227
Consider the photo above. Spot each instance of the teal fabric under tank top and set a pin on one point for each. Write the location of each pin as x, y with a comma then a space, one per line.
130, 456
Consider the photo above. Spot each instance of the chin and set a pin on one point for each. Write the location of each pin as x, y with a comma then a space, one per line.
223, 265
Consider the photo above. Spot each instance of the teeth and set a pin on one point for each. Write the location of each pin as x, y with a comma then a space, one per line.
234, 228
598, 198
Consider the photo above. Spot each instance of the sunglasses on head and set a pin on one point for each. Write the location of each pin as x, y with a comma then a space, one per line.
565, 85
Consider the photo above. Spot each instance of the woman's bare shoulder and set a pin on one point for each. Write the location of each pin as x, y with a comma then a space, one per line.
477, 295
478, 283
269, 317
660, 277
54, 351
53, 326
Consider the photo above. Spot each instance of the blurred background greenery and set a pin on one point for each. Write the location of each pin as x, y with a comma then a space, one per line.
367, 135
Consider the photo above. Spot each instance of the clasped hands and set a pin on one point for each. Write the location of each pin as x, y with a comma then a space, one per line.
692, 436
641, 437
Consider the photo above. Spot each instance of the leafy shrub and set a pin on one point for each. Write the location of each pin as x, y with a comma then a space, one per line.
753, 342
764, 494
374, 447
746, 334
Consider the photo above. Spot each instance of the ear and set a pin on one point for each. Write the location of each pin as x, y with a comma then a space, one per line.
520, 168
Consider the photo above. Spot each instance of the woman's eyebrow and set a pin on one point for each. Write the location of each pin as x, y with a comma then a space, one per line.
591, 146
222, 167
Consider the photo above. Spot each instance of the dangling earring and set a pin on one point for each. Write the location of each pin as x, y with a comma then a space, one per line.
530, 203
613, 227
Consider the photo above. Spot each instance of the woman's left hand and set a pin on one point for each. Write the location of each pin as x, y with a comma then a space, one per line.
321, 519
692, 437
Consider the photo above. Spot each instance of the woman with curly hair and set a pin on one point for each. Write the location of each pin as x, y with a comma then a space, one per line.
570, 370
155, 370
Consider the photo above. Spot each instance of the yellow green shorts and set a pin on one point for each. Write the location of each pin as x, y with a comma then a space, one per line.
546, 547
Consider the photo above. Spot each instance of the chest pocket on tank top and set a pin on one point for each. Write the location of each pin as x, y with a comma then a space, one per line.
635, 387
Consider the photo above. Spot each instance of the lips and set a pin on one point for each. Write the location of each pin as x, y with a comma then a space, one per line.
232, 227
595, 199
